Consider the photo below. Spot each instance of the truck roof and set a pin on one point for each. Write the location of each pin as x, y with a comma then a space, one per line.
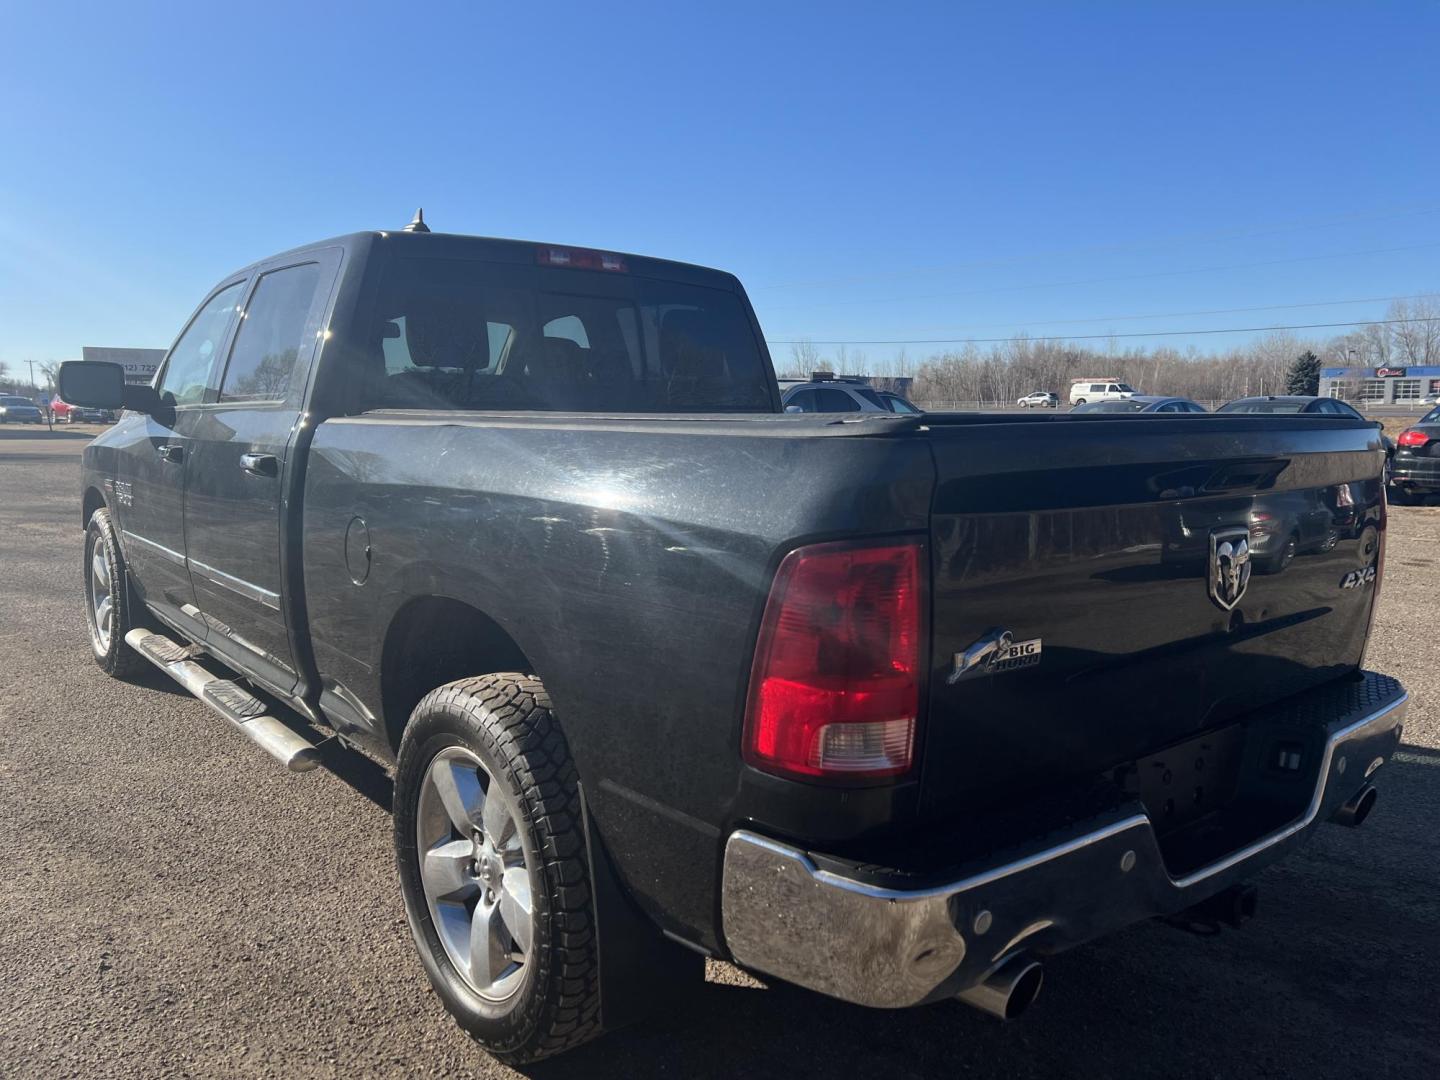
501, 250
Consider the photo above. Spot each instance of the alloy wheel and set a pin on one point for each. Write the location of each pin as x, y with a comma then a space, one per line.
475, 873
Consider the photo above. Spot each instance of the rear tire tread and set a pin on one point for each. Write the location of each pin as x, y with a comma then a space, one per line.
512, 715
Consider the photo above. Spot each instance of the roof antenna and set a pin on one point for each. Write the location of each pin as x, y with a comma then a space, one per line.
418, 224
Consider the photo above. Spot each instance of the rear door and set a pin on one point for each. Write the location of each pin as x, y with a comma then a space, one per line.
240, 464
149, 495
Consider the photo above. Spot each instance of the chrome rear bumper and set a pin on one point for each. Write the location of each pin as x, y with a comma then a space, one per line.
848, 936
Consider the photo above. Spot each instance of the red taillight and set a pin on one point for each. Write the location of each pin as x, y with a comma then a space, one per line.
1412, 438
579, 259
835, 688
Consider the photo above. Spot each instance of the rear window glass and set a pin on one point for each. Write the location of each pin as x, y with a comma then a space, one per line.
457, 334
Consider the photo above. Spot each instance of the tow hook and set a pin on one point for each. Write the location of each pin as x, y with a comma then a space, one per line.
1234, 907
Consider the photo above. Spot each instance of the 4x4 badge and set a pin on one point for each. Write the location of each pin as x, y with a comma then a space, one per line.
995, 651
1229, 565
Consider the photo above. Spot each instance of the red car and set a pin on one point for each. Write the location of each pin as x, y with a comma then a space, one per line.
76, 414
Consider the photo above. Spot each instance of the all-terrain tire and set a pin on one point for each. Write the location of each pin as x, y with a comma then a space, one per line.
102, 550
507, 722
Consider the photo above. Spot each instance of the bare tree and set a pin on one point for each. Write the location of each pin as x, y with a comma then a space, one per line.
1415, 330
804, 358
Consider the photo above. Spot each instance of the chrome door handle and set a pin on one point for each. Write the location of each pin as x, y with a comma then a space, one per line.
174, 452
260, 464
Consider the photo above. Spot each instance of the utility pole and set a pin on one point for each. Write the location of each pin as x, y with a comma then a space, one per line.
32, 372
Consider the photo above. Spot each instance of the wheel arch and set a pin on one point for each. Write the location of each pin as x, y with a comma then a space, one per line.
434, 639
94, 500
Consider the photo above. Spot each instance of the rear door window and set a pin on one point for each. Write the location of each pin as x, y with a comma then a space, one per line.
836, 401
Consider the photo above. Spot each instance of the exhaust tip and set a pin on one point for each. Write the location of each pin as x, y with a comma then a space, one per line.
1357, 808
1025, 990
1008, 990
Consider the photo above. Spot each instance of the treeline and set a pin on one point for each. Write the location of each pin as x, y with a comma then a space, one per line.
976, 376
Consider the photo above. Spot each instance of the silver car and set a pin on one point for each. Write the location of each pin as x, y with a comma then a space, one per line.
835, 395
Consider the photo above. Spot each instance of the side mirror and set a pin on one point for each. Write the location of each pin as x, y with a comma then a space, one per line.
97, 384
793, 408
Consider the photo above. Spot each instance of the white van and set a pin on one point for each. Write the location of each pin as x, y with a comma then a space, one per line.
1083, 390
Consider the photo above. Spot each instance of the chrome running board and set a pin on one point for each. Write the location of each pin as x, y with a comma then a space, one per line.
233, 702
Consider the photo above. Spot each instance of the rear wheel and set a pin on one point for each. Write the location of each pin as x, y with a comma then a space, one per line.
490, 842
109, 611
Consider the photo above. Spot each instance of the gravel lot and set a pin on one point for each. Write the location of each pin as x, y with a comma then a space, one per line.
172, 903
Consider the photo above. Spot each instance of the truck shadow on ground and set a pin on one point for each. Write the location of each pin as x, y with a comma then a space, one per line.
1334, 978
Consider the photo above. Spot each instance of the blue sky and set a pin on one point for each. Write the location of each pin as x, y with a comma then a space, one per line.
872, 172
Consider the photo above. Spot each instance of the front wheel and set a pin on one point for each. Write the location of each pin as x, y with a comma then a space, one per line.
109, 611
1081, 401
489, 838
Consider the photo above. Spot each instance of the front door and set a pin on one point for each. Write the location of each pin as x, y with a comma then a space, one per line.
241, 467
149, 495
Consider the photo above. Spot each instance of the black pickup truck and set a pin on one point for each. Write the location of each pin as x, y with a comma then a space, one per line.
889, 706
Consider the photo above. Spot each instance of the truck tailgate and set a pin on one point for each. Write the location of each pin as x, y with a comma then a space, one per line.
1100, 557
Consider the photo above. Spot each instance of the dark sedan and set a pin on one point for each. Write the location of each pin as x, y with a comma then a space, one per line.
18, 410
1142, 403
1415, 469
1291, 403
1310, 406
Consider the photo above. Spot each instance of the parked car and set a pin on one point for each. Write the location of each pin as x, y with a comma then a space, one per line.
834, 395
667, 675
1415, 469
1084, 391
79, 414
1145, 403
1040, 399
896, 403
1300, 404
19, 410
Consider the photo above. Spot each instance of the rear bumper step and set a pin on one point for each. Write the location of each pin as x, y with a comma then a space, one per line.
832, 926
233, 702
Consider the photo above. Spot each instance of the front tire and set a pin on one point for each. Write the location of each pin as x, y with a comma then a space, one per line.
109, 608
489, 838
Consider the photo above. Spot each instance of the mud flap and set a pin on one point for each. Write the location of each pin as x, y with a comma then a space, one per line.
642, 972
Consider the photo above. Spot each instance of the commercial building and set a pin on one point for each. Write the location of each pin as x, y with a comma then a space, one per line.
140, 364
1380, 386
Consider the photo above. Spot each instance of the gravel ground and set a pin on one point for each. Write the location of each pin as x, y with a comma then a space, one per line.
172, 903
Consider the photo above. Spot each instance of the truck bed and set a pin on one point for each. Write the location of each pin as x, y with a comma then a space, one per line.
629, 557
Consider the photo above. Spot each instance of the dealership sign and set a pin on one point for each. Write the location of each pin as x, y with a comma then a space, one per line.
140, 364
1389, 372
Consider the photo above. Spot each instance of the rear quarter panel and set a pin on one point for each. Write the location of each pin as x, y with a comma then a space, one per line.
629, 560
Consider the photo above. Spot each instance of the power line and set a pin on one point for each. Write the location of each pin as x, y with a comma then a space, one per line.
1207, 311
1100, 337
1161, 241
1121, 277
